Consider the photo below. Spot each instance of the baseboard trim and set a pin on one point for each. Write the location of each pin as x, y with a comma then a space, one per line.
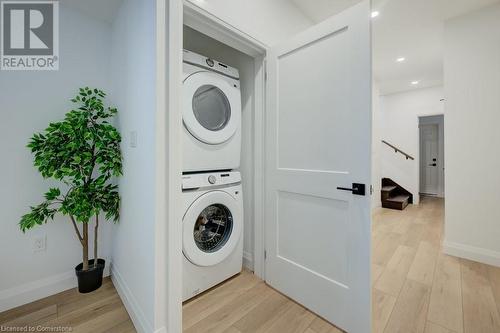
482, 255
248, 260
35, 290
134, 310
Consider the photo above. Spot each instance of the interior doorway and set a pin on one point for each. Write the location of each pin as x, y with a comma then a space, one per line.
331, 188
431, 131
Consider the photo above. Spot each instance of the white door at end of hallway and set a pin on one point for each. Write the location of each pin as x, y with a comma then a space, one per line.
318, 160
429, 159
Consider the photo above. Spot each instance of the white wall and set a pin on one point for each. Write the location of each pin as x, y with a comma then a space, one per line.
133, 74
399, 126
268, 21
199, 43
29, 101
376, 146
472, 86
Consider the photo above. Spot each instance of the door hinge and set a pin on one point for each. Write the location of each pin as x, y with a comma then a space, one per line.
371, 189
265, 254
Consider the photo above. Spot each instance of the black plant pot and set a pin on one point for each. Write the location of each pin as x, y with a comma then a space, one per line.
90, 280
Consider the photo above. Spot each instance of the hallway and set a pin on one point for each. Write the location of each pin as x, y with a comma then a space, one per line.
417, 288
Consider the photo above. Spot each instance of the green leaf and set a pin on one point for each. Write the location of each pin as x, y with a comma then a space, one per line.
52, 194
83, 152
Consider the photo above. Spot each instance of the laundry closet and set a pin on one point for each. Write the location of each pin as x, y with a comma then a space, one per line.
305, 159
218, 145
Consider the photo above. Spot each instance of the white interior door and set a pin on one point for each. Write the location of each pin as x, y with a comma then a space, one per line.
318, 138
429, 159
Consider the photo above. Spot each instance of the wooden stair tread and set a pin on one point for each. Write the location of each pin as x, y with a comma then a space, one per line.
388, 188
399, 198
394, 196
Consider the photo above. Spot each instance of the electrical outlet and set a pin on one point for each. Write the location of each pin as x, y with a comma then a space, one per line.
39, 243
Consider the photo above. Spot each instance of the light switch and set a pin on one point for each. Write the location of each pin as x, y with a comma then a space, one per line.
133, 139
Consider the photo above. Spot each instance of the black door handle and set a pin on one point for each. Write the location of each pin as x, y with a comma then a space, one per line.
433, 164
358, 189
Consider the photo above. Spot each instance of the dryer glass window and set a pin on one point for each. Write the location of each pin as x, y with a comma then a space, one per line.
211, 107
213, 228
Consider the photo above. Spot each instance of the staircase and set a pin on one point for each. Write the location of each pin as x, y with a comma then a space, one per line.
394, 196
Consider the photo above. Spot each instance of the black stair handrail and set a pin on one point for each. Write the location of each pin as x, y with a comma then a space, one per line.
397, 150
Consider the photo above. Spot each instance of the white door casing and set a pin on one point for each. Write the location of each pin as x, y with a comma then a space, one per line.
318, 138
429, 159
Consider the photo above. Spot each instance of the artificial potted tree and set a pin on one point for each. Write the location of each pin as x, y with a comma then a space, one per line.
83, 153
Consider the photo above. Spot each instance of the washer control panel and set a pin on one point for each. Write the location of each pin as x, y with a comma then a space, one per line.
209, 179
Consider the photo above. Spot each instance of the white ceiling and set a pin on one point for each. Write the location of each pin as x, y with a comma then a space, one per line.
319, 10
405, 28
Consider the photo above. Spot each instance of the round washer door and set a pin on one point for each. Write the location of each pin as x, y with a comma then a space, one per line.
212, 227
212, 107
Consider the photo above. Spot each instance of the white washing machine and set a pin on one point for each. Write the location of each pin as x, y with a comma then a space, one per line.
211, 113
212, 227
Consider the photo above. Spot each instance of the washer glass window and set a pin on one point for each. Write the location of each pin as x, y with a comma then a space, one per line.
213, 228
211, 107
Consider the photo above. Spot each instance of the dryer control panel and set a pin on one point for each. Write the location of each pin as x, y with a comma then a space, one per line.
211, 64
210, 179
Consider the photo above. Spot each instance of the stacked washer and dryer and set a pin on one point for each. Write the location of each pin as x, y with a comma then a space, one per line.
211, 189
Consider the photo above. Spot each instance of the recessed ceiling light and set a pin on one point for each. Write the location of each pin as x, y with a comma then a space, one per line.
375, 14
415, 82
401, 59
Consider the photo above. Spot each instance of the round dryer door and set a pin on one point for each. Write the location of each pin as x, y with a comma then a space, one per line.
211, 107
212, 227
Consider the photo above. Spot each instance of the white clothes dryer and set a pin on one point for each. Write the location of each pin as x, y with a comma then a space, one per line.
212, 227
211, 114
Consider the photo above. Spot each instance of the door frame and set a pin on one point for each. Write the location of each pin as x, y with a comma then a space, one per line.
167, 296
423, 190
441, 150
171, 17
201, 20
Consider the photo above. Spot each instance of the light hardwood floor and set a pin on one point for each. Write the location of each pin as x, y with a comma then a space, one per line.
241, 304
416, 288
246, 304
99, 311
